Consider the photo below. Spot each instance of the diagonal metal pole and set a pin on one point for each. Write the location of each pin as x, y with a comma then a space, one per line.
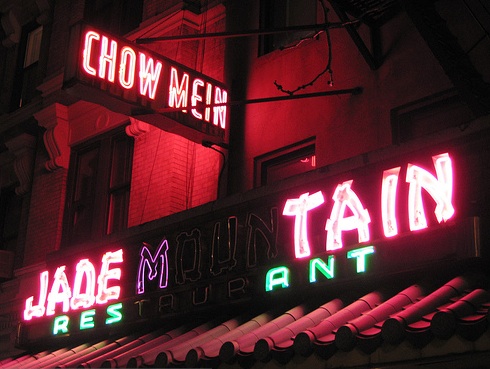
249, 33
348, 91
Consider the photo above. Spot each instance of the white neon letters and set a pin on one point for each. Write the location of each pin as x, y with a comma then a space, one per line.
60, 292
143, 73
388, 201
177, 94
85, 270
149, 76
38, 310
127, 67
107, 59
106, 293
344, 197
299, 209
90, 37
220, 97
83, 293
439, 187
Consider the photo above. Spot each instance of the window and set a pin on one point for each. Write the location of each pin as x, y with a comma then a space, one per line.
33, 47
428, 115
286, 162
284, 13
27, 75
99, 185
116, 16
10, 214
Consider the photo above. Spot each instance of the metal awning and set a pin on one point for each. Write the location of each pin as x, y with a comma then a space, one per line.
417, 323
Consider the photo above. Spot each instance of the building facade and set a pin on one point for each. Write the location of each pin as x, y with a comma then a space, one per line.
244, 184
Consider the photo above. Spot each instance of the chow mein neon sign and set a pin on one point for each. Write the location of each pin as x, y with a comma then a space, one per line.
154, 80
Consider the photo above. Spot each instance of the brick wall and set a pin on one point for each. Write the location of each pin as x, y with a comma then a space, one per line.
66, 13
170, 174
47, 203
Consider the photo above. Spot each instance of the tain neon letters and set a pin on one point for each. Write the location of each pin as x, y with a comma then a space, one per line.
439, 187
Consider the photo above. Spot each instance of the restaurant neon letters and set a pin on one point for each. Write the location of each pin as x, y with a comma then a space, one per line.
61, 323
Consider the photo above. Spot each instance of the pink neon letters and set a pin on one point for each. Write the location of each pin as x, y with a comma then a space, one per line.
152, 263
388, 201
299, 209
103, 57
439, 188
337, 223
62, 294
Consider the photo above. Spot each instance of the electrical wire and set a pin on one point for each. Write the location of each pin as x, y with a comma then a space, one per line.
328, 67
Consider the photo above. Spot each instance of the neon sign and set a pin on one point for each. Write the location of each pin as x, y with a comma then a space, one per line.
336, 229
87, 289
280, 277
139, 76
344, 197
61, 323
348, 214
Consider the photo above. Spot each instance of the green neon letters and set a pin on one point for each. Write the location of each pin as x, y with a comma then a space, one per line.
277, 277
280, 277
360, 255
328, 270
114, 313
87, 319
61, 324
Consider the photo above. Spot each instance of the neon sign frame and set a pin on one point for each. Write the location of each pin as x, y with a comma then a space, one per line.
151, 82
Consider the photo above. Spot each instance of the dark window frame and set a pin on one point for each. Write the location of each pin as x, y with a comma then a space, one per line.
115, 16
277, 14
10, 217
264, 163
98, 204
428, 115
27, 78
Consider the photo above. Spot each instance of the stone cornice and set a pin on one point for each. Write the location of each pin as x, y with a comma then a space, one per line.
23, 147
55, 119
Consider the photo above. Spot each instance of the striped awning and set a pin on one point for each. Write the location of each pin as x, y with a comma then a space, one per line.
373, 329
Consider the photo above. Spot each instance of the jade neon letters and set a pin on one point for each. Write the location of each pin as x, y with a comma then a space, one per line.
87, 289
438, 186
